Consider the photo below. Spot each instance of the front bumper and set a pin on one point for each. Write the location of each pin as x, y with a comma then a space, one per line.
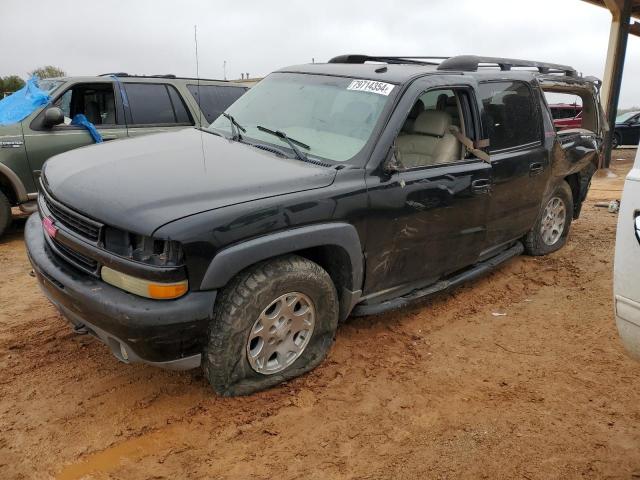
166, 333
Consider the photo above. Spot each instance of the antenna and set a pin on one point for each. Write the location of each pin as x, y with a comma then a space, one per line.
195, 38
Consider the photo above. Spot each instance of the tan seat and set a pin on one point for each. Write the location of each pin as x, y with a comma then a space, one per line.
431, 142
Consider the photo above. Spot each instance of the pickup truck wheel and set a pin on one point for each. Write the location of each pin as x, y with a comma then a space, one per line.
5, 213
273, 322
552, 226
615, 141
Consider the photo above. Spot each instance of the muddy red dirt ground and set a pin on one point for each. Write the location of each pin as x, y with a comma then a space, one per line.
443, 390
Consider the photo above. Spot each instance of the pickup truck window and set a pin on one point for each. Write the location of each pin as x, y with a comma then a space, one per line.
155, 104
428, 135
334, 116
94, 100
510, 115
215, 99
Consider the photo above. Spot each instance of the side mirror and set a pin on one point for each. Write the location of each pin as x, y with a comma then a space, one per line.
392, 163
53, 116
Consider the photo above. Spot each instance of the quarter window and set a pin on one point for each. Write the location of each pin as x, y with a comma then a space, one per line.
154, 104
509, 114
215, 99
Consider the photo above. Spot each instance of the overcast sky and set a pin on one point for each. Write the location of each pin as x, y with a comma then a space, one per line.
149, 37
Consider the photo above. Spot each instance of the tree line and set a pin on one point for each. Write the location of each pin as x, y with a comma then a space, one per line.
11, 83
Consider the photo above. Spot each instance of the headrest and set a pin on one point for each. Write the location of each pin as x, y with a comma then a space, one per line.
416, 110
432, 122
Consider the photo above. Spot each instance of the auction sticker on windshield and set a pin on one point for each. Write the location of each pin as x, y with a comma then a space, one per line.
381, 88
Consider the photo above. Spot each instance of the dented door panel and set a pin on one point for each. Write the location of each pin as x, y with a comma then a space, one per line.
425, 223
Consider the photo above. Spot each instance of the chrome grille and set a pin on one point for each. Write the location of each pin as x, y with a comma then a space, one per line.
76, 258
74, 221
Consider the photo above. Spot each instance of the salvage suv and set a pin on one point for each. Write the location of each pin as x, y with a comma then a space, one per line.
119, 105
353, 187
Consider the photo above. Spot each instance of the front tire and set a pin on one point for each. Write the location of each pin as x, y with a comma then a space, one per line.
5, 213
552, 226
272, 322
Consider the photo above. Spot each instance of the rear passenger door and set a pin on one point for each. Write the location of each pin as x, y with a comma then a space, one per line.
520, 162
214, 99
154, 107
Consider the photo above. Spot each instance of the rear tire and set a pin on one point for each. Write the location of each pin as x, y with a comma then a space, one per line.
552, 225
615, 141
231, 360
5, 213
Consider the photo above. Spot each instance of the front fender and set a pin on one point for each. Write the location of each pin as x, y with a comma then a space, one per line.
231, 260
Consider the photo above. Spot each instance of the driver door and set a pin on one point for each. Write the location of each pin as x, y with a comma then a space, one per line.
429, 218
101, 105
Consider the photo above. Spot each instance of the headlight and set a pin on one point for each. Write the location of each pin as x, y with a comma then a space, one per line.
142, 287
161, 253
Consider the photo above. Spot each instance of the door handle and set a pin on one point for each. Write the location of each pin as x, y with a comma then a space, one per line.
106, 138
481, 186
535, 168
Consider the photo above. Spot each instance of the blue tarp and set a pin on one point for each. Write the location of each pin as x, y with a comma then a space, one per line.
80, 119
19, 105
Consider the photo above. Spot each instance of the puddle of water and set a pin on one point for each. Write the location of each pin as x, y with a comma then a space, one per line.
112, 457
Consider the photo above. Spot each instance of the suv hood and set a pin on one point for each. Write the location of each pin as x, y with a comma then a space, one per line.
140, 184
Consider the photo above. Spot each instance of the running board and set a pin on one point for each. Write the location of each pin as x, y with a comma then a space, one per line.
476, 271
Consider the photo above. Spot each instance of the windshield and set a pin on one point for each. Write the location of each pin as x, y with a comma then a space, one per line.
334, 116
49, 85
625, 116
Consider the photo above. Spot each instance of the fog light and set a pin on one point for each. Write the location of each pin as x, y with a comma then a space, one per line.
144, 288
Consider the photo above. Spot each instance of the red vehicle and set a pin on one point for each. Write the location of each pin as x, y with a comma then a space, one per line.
566, 115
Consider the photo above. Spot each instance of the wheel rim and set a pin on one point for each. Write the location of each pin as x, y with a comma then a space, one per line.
281, 333
553, 221
614, 142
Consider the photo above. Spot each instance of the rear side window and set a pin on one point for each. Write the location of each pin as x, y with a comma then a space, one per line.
156, 104
215, 99
509, 114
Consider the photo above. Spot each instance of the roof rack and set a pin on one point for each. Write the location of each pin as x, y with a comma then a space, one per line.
124, 74
471, 63
419, 60
168, 75
464, 63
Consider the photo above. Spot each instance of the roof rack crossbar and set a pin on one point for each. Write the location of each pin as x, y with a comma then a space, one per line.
409, 59
471, 63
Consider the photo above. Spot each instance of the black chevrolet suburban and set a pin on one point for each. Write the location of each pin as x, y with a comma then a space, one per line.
348, 188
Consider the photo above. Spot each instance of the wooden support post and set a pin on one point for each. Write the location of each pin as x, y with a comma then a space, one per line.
621, 15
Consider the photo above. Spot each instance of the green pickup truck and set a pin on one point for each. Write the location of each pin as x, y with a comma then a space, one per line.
119, 105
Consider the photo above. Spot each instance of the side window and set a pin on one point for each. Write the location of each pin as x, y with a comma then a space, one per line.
432, 133
215, 99
509, 115
155, 104
94, 100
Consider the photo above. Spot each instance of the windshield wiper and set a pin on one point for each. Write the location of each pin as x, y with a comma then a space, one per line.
292, 143
235, 127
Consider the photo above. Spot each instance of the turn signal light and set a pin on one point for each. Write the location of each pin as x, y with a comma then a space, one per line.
142, 287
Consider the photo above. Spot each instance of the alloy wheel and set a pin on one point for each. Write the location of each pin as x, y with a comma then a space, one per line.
281, 333
553, 221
